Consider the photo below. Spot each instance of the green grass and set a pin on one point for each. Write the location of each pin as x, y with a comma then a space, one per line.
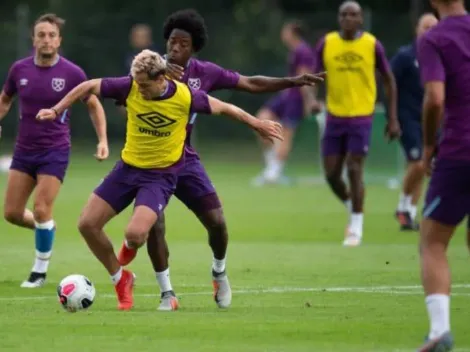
295, 287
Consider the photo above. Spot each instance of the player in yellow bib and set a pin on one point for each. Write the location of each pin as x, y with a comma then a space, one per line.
158, 111
351, 58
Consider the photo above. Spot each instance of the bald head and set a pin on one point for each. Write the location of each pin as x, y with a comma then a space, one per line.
350, 17
425, 23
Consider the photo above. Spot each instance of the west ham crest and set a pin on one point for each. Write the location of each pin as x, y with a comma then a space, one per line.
194, 83
58, 84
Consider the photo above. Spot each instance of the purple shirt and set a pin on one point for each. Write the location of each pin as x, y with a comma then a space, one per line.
41, 88
444, 56
118, 88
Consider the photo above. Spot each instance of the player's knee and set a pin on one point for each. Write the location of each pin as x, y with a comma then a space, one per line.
87, 226
333, 177
158, 228
215, 223
42, 212
136, 235
13, 216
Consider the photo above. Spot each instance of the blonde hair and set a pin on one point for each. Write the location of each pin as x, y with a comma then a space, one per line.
148, 62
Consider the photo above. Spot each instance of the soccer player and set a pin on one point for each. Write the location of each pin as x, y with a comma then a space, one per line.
351, 57
158, 110
410, 100
41, 155
444, 62
186, 34
290, 106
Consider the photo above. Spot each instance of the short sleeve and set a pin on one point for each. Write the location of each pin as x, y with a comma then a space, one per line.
116, 88
381, 62
319, 66
80, 78
223, 79
430, 62
398, 65
10, 83
200, 102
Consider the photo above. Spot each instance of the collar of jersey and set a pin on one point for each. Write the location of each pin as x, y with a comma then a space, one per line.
53, 64
187, 64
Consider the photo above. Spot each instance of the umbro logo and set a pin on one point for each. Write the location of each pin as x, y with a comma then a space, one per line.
156, 120
349, 57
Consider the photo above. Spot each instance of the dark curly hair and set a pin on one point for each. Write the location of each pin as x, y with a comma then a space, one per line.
190, 21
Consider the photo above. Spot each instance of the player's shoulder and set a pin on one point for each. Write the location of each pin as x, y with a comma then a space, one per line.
204, 66
71, 66
369, 37
22, 63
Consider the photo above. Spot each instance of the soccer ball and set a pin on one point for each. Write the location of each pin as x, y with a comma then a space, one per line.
76, 293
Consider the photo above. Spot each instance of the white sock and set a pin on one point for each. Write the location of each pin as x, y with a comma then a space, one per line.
269, 154
218, 265
163, 279
404, 202
439, 314
127, 244
413, 211
41, 263
357, 220
274, 170
116, 277
348, 205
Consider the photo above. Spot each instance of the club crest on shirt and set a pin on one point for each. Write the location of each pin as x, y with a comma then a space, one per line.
58, 84
23, 82
194, 83
416, 63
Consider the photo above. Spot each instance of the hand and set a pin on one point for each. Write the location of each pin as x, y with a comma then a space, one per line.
427, 161
313, 107
46, 114
392, 129
102, 151
175, 71
308, 79
269, 130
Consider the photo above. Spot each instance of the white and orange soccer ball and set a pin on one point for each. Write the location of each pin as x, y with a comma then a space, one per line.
76, 292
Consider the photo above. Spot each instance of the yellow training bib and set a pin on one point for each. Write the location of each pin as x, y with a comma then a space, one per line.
156, 129
351, 85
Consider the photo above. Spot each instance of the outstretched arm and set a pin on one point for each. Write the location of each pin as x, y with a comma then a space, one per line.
98, 118
263, 84
267, 129
79, 92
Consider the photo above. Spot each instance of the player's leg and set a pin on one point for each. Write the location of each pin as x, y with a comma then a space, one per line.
50, 173
112, 196
334, 155
446, 205
358, 139
20, 185
270, 111
411, 142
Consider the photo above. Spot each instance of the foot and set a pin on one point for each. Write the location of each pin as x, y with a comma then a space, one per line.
222, 290
35, 280
125, 290
441, 344
406, 222
168, 302
126, 255
352, 239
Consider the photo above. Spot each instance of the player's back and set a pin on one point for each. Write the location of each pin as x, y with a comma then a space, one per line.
451, 40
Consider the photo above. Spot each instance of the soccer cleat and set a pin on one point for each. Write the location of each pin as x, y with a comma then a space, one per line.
441, 344
124, 290
35, 280
168, 302
126, 255
406, 222
351, 239
222, 290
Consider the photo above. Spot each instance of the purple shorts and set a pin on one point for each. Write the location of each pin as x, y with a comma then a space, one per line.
288, 107
124, 184
194, 188
346, 136
46, 162
448, 196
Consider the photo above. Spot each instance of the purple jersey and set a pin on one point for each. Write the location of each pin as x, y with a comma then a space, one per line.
444, 56
302, 56
207, 77
41, 88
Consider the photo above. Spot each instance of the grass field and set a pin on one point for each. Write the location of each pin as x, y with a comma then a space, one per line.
295, 287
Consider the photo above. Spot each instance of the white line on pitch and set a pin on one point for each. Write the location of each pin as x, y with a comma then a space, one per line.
392, 290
